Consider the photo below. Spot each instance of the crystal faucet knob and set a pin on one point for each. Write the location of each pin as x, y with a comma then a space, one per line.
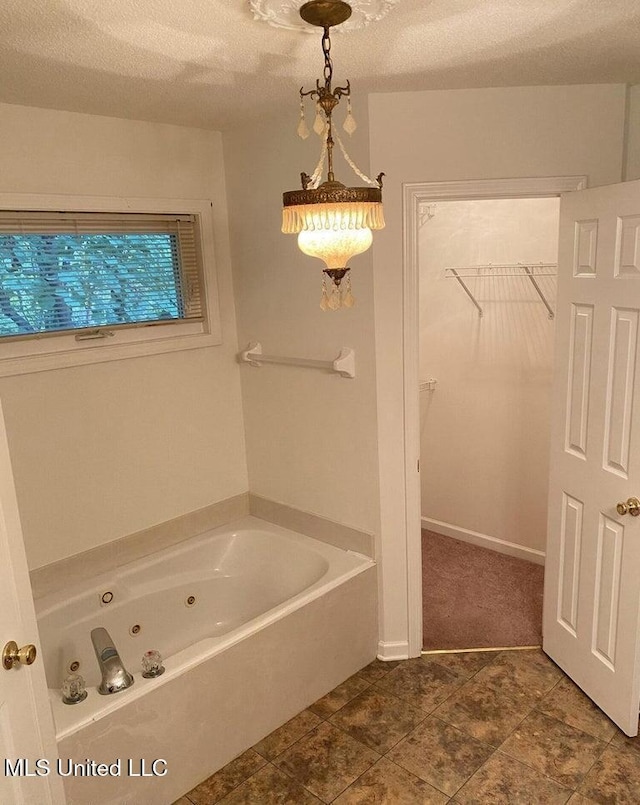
74, 689
152, 664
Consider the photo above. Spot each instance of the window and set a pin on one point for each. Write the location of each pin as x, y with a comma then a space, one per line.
75, 284
76, 271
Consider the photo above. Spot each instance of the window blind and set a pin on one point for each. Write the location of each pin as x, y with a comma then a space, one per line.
63, 271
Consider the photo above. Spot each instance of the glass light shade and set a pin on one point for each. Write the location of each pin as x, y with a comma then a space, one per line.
335, 246
333, 231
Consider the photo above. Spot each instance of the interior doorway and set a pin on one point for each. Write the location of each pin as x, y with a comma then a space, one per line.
417, 197
487, 278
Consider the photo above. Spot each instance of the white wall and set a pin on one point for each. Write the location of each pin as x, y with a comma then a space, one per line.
463, 134
105, 450
485, 428
311, 437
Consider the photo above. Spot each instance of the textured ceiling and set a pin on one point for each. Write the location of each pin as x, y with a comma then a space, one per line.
208, 63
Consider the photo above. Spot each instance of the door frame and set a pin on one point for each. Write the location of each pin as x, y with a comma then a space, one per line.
415, 194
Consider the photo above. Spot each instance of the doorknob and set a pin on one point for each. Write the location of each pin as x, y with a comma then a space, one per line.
11, 655
632, 506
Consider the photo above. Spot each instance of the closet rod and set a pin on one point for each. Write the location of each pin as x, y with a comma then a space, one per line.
344, 364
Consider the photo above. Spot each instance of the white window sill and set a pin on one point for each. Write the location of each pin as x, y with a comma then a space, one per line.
91, 352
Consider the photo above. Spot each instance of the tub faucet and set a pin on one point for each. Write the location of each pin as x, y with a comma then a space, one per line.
115, 676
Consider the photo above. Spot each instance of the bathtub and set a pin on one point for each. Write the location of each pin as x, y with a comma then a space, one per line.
254, 622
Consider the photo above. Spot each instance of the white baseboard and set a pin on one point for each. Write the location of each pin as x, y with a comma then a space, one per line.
393, 651
484, 541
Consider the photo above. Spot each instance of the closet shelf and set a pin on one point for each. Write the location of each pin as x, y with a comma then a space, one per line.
529, 270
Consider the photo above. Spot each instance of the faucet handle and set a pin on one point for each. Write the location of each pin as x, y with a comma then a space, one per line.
152, 664
73, 689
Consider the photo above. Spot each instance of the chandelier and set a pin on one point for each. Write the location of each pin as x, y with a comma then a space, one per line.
333, 222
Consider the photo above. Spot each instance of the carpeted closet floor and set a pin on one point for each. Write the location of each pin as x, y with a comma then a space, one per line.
477, 598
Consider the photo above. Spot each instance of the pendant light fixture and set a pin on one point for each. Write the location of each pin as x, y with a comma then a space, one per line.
333, 222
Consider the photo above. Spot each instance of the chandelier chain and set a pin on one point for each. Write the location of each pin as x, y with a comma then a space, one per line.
328, 64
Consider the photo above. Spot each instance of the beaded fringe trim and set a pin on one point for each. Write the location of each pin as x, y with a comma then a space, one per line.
353, 215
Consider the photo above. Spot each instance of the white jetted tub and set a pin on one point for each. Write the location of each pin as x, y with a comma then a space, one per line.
254, 622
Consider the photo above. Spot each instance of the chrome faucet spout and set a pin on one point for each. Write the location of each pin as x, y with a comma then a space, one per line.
115, 676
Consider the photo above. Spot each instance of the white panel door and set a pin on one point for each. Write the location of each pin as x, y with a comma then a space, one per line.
592, 576
26, 723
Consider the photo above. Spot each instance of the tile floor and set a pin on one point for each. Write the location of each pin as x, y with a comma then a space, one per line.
482, 727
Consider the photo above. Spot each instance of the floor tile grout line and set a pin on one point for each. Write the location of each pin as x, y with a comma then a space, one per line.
422, 720
433, 785
442, 718
296, 742
528, 765
291, 745
353, 782
435, 707
522, 763
326, 718
357, 740
407, 701
466, 735
317, 796
336, 727
475, 673
386, 693
323, 720
299, 782
242, 782
537, 771
572, 726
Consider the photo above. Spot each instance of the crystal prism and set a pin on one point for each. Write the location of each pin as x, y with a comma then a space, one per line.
318, 124
303, 129
349, 124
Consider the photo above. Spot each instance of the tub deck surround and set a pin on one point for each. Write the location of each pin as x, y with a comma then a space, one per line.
60, 575
342, 536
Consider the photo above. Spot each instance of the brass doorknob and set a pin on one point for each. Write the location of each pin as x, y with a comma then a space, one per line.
12, 655
632, 506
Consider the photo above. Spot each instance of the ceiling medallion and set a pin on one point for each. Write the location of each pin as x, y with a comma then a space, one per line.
286, 13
